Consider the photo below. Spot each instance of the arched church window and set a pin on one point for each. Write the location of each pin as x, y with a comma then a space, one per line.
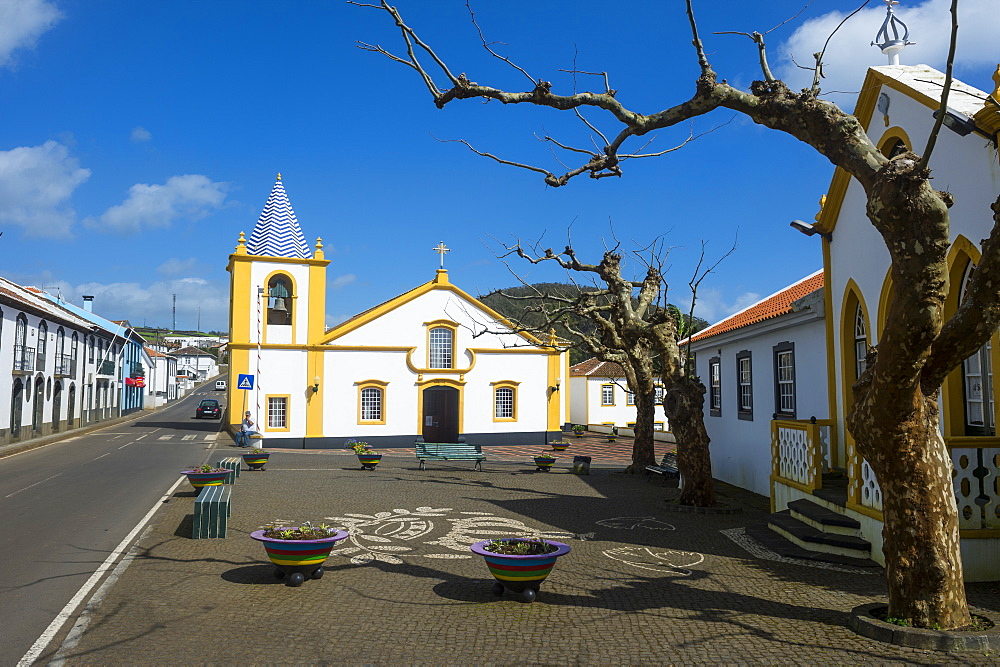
441, 347
977, 380
860, 342
279, 300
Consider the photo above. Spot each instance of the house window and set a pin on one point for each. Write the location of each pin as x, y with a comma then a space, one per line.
629, 398
715, 387
744, 385
62, 361
43, 338
658, 395
279, 300
277, 413
860, 342
371, 404
441, 347
91, 359
503, 403
784, 380
659, 426
607, 394
977, 380
23, 355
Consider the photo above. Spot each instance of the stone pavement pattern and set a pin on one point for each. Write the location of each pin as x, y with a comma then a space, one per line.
643, 583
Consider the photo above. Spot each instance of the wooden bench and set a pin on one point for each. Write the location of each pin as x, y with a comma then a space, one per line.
212, 509
233, 464
450, 451
667, 467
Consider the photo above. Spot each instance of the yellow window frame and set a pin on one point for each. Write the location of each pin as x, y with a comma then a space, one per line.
372, 384
267, 413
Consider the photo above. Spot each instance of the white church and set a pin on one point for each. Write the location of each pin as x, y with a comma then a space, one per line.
404, 370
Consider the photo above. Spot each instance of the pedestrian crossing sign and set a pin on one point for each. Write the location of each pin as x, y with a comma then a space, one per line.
244, 381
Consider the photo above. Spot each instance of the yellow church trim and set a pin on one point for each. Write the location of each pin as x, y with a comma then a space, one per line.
889, 138
853, 297
440, 282
988, 118
265, 309
239, 362
962, 252
440, 371
239, 289
885, 301
864, 112
237, 258
553, 395
831, 365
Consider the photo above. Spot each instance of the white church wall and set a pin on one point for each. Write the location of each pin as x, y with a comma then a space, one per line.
281, 373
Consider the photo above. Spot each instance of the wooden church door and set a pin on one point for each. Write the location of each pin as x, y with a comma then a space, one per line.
440, 416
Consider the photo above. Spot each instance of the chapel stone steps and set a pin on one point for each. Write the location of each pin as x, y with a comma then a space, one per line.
819, 539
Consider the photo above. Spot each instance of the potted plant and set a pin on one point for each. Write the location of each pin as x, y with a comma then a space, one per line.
559, 445
544, 462
613, 435
578, 430
368, 457
206, 475
519, 565
256, 459
298, 552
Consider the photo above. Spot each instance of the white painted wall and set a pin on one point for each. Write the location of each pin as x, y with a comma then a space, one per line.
741, 449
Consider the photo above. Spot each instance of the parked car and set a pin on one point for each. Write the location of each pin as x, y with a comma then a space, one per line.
210, 408
220, 385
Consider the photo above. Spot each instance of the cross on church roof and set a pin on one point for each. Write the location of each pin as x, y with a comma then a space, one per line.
441, 249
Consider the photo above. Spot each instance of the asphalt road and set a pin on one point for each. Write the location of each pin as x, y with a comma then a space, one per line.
66, 506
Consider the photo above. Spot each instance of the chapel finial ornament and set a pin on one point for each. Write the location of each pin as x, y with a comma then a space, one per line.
441, 249
888, 37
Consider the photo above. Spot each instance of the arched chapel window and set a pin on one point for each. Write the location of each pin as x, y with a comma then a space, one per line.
860, 342
441, 347
977, 381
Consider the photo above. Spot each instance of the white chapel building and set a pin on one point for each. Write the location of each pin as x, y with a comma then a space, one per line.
404, 370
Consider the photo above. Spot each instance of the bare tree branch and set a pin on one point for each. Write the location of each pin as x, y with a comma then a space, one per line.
943, 108
819, 56
472, 16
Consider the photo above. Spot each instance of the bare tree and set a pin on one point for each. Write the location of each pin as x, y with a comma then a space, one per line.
894, 416
633, 326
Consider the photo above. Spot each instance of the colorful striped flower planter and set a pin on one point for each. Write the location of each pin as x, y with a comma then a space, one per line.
519, 574
545, 463
298, 558
369, 461
256, 461
200, 479
559, 446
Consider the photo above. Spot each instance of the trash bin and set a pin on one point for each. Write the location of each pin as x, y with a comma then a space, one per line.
581, 465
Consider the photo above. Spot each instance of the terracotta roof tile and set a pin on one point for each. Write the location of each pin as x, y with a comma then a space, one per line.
594, 367
777, 304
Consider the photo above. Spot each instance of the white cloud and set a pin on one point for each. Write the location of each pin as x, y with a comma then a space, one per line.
850, 54
176, 267
22, 22
197, 300
36, 183
343, 281
140, 135
190, 196
712, 306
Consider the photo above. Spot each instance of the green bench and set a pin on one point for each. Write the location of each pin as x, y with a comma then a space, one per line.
233, 464
450, 451
212, 509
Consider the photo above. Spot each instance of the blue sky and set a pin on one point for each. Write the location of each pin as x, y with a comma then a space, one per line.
137, 139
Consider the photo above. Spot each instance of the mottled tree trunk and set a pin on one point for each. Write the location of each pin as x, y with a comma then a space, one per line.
643, 450
684, 405
920, 528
